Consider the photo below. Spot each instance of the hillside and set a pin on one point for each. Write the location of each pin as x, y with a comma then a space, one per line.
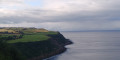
33, 43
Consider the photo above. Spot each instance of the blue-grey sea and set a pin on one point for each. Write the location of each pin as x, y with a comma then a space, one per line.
91, 45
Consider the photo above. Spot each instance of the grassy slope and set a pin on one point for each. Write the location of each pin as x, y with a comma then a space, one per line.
30, 38
33, 37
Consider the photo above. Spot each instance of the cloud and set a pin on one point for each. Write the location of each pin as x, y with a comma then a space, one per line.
11, 4
61, 14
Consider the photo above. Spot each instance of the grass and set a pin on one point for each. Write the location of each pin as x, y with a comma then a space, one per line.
30, 38
33, 37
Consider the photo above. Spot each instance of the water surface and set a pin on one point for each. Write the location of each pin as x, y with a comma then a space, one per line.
91, 46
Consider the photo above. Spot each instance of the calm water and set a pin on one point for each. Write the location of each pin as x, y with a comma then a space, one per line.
91, 46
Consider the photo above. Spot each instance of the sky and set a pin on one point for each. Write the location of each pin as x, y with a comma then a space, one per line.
61, 15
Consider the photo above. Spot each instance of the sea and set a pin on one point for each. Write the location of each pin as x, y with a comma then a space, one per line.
91, 45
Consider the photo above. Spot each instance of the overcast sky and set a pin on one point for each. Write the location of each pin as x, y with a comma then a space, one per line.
62, 15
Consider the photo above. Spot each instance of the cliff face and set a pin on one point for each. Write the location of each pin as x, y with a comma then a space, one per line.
43, 49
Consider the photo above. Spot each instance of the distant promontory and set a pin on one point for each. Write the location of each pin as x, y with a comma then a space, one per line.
18, 43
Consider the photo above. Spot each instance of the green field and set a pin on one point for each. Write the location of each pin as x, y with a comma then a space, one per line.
33, 37
30, 38
24, 34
